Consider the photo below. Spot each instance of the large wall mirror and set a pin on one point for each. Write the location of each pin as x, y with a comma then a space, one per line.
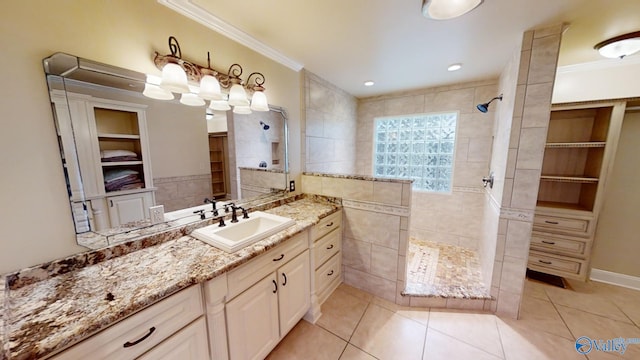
125, 154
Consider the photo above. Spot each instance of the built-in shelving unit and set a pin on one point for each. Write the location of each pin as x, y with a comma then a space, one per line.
581, 144
217, 156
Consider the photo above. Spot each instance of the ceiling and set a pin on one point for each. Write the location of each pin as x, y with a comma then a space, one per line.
350, 41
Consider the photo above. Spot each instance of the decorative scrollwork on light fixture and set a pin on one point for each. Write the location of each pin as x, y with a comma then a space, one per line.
197, 83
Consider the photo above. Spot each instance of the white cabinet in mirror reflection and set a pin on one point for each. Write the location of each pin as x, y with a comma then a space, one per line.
106, 156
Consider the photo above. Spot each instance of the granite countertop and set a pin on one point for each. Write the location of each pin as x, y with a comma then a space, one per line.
47, 315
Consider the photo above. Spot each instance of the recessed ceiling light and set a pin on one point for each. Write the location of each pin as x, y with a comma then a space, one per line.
454, 67
368, 83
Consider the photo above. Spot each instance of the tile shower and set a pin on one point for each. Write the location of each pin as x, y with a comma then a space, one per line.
491, 224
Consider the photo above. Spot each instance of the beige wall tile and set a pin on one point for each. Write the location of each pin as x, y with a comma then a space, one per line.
428, 302
527, 40
375, 285
406, 194
356, 254
404, 105
497, 273
548, 31
512, 157
373, 227
404, 242
514, 136
465, 304
513, 272
384, 262
480, 149
523, 74
544, 57
311, 184
519, 235
404, 223
387, 192
461, 100
537, 105
508, 304
531, 150
525, 189
332, 186
402, 268
357, 190
401, 300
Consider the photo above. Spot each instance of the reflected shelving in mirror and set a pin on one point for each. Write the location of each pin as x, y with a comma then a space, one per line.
123, 152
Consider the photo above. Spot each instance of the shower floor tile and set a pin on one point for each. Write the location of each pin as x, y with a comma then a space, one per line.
443, 270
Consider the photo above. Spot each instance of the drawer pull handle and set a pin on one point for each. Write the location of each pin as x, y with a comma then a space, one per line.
330, 247
285, 279
548, 242
275, 286
329, 224
280, 258
130, 344
330, 273
545, 262
551, 222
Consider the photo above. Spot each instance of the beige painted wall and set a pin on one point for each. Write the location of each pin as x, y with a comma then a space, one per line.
34, 215
606, 79
617, 240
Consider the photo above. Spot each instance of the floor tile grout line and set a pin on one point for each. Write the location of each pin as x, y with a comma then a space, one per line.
426, 332
473, 346
504, 353
359, 321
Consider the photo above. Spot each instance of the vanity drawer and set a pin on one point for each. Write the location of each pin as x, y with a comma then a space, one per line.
560, 264
241, 278
326, 224
573, 225
153, 325
559, 244
326, 247
327, 273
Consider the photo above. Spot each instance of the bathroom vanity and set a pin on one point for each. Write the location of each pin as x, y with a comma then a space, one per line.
181, 296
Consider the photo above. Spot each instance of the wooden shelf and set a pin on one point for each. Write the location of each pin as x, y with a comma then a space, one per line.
121, 163
561, 205
119, 136
571, 179
587, 144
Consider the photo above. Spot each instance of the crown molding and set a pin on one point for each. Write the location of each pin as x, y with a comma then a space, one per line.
202, 16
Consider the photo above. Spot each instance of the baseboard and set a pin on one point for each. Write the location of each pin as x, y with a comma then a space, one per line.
628, 281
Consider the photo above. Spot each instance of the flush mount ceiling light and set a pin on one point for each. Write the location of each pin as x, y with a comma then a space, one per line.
485, 107
619, 46
197, 83
447, 9
454, 67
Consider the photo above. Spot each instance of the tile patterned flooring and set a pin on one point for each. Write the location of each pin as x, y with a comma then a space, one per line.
358, 325
443, 270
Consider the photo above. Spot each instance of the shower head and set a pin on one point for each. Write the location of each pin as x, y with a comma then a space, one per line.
264, 126
485, 107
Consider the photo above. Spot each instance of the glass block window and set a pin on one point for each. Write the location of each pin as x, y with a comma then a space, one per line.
417, 147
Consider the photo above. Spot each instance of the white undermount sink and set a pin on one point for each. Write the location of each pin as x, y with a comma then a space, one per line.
235, 236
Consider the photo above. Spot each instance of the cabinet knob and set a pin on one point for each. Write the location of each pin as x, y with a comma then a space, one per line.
545, 262
330, 273
329, 224
551, 222
330, 247
285, 279
548, 242
280, 258
275, 286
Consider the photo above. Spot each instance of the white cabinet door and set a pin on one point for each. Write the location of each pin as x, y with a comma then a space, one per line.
252, 321
127, 208
188, 343
294, 291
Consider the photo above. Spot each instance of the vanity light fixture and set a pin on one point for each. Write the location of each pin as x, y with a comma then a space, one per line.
197, 83
483, 108
447, 9
619, 46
